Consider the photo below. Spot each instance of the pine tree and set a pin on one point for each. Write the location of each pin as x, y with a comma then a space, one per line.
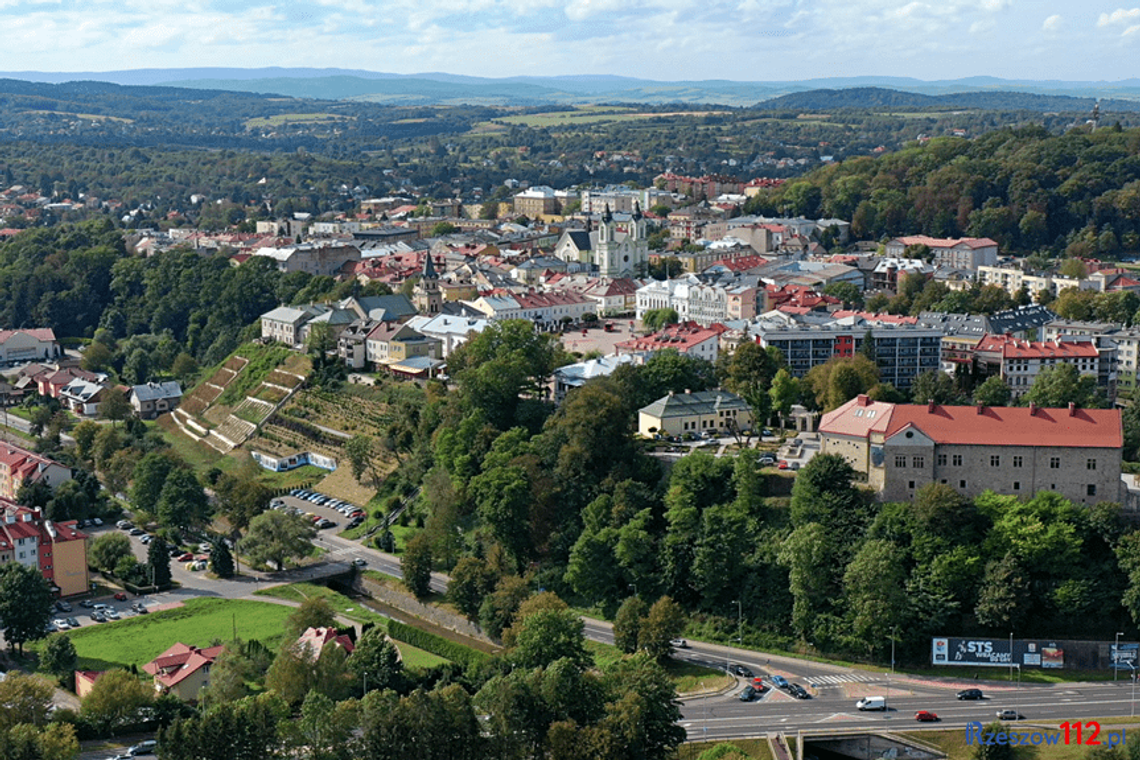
222, 560
158, 562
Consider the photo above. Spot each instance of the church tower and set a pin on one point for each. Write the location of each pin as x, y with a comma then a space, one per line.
426, 296
606, 233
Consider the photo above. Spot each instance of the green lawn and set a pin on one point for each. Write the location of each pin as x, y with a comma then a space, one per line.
417, 659
349, 608
200, 622
685, 676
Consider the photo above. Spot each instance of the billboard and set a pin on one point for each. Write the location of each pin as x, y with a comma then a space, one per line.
1124, 657
995, 653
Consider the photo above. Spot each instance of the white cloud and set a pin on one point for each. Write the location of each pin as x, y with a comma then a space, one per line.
1053, 23
1118, 16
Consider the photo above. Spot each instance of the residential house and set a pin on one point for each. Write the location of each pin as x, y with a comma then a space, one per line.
183, 670
152, 399
18, 465
389, 343
313, 641
284, 323
1019, 362
571, 376
450, 331
958, 253
57, 549
688, 338
701, 412
316, 258
82, 397
1018, 451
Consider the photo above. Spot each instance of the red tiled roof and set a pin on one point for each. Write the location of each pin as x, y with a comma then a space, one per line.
857, 417
39, 333
1012, 348
1011, 426
946, 242
888, 319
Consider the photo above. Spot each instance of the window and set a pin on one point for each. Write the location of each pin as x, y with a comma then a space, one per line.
1091, 464
1017, 485
941, 460
1017, 461
1054, 463
918, 462
961, 484
911, 485
900, 460
957, 460
995, 460
1091, 489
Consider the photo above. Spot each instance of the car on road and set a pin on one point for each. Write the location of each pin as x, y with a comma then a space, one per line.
799, 692
121, 596
73, 622
87, 604
779, 682
360, 562
1008, 714
743, 672
143, 748
766, 432
748, 694
925, 716
971, 694
679, 644
872, 703
758, 684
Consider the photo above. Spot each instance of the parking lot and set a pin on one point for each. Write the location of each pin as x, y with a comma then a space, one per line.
325, 511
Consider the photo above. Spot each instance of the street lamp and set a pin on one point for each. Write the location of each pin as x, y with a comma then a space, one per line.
739, 622
1116, 655
1011, 656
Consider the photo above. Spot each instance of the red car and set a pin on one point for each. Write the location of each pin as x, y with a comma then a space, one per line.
185, 557
758, 684
783, 465
925, 716
121, 596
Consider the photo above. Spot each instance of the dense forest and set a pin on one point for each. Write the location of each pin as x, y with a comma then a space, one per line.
1076, 193
871, 97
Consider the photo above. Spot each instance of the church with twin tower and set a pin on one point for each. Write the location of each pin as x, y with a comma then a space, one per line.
618, 248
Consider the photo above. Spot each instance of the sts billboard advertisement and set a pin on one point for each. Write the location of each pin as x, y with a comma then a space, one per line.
948, 650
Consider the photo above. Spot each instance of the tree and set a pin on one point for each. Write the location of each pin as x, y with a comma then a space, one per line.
838, 380
784, 392
993, 392
221, 560
443, 228
875, 583
115, 700
248, 729
324, 730
627, 624
1058, 386
84, 434
847, 292
416, 565
750, 372
472, 579
664, 622
934, 385
58, 656
148, 480
375, 663
184, 367
361, 453
24, 699
499, 607
655, 319
276, 536
115, 406
548, 635
241, 497
182, 502
25, 603
107, 549
314, 612
158, 562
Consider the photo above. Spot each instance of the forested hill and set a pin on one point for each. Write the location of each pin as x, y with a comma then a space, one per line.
880, 97
1076, 193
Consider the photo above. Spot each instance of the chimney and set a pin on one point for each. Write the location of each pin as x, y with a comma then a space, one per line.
981, 409
1032, 409
1072, 409
863, 400
930, 406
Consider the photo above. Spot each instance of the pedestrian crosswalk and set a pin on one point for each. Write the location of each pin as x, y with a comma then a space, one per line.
821, 682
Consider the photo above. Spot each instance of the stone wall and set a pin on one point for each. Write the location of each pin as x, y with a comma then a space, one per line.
409, 604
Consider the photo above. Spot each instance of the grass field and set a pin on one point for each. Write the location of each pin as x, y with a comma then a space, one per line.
685, 676
290, 118
583, 116
200, 622
349, 608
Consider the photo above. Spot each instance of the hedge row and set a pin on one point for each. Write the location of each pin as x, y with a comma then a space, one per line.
437, 645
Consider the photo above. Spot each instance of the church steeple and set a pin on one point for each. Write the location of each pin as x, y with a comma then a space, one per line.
429, 268
426, 296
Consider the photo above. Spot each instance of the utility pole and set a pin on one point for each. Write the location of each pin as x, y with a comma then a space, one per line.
1116, 655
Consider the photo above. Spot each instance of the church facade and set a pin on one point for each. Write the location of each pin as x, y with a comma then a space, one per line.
614, 251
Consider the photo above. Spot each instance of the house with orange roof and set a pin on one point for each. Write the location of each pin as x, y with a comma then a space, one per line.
687, 338
18, 465
957, 253
1019, 362
183, 670
1018, 451
314, 640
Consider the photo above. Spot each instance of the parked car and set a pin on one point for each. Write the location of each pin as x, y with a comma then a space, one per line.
63, 606
121, 596
73, 622
136, 531
799, 692
96, 521
138, 607
971, 694
1008, 714
124, 524
779, 682
185, 557
60, 624
748, 694
679, 644
766, 432
324, 524
766, 460
783, 465
87, 604
98, 617
145, 538
925, 716
143, 748
354, 522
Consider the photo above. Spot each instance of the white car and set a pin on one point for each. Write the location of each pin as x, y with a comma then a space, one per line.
61, 624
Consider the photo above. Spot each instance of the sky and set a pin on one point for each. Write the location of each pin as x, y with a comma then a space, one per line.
669, 40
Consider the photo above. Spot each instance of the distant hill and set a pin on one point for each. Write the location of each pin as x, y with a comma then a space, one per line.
436, 88
879, 97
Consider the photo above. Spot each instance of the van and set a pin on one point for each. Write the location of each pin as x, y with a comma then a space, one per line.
872, 703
